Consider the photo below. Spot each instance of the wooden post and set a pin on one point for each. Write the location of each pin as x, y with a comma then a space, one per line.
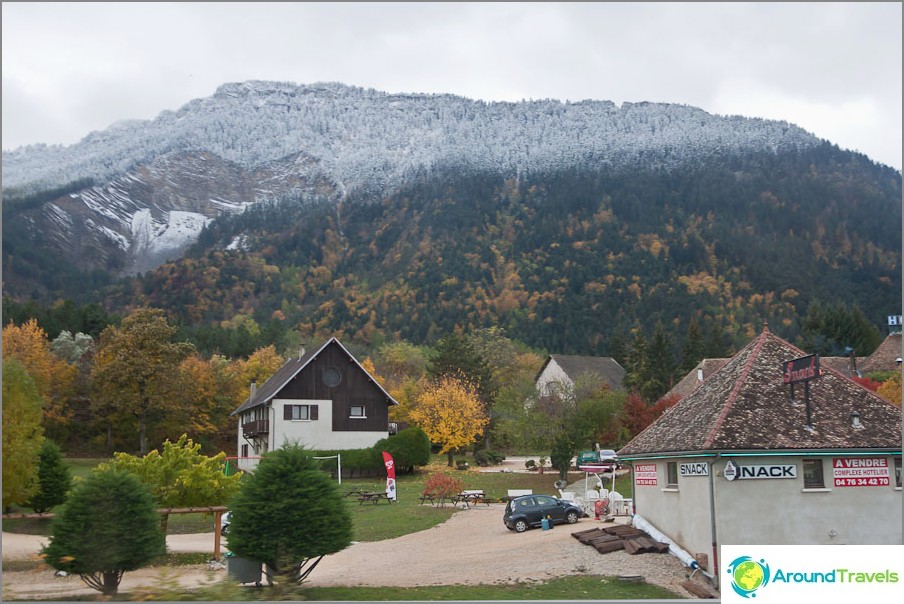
217, 527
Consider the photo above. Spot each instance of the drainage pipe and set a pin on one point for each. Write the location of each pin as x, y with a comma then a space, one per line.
686, 559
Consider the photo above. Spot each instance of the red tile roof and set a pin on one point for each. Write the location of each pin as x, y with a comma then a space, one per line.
746, 406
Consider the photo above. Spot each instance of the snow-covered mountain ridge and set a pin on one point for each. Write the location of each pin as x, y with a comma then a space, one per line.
159, 182
363, 138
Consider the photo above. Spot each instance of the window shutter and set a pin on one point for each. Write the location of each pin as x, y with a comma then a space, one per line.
287, 412
313, 413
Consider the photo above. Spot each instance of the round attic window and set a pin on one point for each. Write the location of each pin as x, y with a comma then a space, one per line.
331, 377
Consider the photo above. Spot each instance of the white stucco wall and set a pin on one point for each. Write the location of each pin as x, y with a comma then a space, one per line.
312, 434
552, 374
769, 511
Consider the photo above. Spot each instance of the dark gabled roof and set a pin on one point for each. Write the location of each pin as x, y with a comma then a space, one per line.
287, 373
885, 357
746, 406
573, 366
690, 382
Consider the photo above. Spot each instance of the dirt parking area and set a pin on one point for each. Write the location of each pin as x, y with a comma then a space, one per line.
472, 547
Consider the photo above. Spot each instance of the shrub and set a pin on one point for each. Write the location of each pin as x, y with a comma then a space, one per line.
288, 513
54, 479
530, 464
496, 457
110, 525
409, 448
461, 464
482, 458
442, 485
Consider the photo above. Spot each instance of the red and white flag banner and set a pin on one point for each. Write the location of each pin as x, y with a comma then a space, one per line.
390, 476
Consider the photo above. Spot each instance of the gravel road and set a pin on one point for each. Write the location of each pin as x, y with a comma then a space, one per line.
472, 547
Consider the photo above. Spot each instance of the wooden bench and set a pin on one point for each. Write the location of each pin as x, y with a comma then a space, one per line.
425, 497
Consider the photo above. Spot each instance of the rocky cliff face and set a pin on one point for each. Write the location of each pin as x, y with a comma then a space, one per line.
155, 211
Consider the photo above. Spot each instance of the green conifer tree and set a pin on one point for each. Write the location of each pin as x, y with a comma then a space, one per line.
54, 479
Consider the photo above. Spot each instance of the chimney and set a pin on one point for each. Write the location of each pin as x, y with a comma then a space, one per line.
253, 391
855, 420
300, 351
700, 375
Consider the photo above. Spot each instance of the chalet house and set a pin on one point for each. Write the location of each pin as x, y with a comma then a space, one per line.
738, 461
560, 371
324, 399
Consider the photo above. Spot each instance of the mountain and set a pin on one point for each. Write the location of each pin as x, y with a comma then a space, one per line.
328, 207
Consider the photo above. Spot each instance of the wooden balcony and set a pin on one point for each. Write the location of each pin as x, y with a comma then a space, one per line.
256, 428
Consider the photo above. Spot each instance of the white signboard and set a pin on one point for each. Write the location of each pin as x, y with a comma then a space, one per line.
861, 472
645, 475
734, 471
700, 468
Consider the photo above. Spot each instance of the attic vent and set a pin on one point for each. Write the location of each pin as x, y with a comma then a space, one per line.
855, 420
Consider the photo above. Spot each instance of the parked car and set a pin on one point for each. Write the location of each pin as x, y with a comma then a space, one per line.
225, 520
528, 511
604, 460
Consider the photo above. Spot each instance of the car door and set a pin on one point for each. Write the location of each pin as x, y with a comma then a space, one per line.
550, 506
527, 506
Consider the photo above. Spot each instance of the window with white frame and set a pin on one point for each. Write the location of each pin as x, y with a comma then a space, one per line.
813, 475
356, 412
671, 475
898, 472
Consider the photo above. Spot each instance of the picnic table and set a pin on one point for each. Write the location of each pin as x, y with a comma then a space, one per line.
469, 497
375, 497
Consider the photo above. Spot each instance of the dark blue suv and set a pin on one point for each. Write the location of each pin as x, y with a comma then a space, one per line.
528, 511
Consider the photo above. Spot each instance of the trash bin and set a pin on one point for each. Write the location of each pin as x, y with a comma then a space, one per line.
243, 570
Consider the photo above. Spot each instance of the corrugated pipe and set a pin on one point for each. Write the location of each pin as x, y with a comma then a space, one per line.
686, 559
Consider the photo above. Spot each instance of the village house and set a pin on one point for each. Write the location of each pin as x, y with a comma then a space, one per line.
324, 399
560, 372
745, 459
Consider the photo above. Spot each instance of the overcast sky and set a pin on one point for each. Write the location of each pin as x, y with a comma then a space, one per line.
832, 68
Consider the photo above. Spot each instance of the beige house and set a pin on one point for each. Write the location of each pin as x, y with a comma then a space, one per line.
737, 462
560, 371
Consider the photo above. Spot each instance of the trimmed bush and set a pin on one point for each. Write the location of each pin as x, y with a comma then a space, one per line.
409, 448
289, 513
110, 525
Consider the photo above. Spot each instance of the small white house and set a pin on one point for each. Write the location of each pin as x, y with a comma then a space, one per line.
743, 461
560, 371
322, 400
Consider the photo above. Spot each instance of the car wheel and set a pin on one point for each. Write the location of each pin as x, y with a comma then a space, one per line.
224, 530
571, 517
520, 526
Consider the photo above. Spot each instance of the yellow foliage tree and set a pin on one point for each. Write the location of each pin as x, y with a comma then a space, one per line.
451, 414
890, 389
53, 377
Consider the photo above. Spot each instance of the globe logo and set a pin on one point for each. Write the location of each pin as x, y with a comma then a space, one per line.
748, 575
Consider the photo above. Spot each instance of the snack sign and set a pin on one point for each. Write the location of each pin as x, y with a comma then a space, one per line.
861, 472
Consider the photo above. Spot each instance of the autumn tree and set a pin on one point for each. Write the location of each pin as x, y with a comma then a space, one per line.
109, 526
53, 377
22, 433
136, 371
890, 389
180, 476
451, 413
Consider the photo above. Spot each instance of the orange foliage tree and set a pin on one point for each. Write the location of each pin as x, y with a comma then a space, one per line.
451, 413
54, 378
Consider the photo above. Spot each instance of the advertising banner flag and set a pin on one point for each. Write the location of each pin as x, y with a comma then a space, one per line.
390, 476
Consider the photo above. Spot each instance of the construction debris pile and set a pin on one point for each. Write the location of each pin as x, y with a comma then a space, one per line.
620, 536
